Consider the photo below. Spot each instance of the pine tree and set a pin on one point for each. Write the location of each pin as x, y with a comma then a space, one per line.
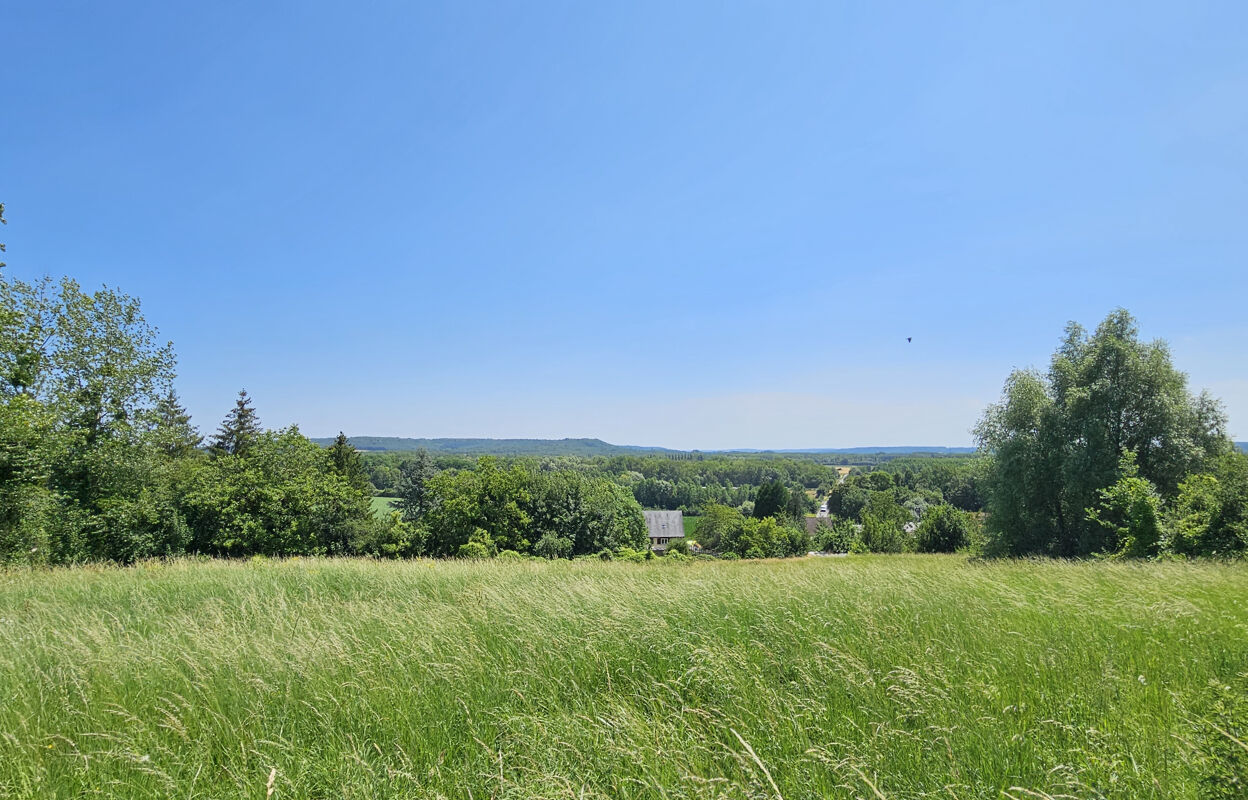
175, 435
348, 464
771, 499
413, 490
238, 430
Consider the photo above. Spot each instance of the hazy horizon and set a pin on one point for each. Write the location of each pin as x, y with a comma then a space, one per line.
688, 226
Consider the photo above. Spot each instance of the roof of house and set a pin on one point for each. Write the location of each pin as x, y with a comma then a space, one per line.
665, 524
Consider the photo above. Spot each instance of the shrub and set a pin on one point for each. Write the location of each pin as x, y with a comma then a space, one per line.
552, 546
678, 547
630, 555
388, 538
473, 550
944, 529
1130, 510
1209, 517
882, 523
841, 536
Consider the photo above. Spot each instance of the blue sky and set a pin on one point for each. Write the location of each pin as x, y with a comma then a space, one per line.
683, 224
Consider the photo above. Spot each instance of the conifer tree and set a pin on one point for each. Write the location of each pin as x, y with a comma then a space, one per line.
238, 430
413, 490
347, 463
175, 435
770, 500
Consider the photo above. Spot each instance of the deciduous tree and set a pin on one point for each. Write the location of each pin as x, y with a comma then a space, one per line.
1057, 440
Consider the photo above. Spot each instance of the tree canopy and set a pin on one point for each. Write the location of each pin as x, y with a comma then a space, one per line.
1058, 440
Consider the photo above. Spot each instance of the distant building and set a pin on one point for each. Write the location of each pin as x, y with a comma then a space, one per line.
663, 527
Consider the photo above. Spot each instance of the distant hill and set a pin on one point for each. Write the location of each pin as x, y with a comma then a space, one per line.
892, 451
594, 447
1243, 446
501, 447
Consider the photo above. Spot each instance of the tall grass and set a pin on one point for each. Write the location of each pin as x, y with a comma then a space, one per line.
872, 677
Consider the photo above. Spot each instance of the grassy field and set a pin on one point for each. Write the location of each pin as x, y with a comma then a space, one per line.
384, 505
861, 677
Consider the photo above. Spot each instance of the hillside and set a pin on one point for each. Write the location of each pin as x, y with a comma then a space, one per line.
597, 447
501, 447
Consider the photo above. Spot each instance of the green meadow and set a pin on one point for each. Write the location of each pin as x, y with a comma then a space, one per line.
382, 506
881, 677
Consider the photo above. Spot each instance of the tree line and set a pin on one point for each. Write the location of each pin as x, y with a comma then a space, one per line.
1105, 454
99, 461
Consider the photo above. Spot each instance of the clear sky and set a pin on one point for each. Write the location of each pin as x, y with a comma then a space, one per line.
685, 224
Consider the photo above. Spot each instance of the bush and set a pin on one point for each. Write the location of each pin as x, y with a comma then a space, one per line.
944, 529
678, 547
552, 546
1210, 515
388, 538
841, 536
473, 550
631, 556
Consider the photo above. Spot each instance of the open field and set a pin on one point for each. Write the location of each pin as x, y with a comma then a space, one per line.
873, 677
384, 505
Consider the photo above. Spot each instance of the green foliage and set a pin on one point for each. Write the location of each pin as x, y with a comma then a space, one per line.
1131, 511
239, 430
1209, 517
173, 432
677, 546
771, 500
838, 536
413, 488
520, 507
389, 537
84, 466
473, 550
945, 529
883, 524
347, 463
764, 538
26, 437
1218, 741
280, 496
552, 546
1057, 440
631, 556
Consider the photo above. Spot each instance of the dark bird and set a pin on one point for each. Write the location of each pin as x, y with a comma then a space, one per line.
907, 338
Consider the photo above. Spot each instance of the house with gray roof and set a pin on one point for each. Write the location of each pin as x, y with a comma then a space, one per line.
663, 527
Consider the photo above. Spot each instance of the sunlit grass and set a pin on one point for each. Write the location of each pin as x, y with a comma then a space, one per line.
893, 677
382, 506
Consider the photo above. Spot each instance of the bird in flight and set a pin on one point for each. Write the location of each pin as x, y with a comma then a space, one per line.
908, 338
